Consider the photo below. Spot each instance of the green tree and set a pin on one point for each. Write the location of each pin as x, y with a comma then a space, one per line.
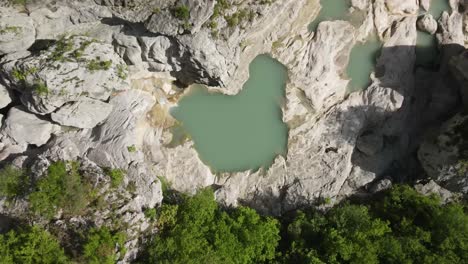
62, 187
102, 245
13, 182
30, 245
204, 233
400, 226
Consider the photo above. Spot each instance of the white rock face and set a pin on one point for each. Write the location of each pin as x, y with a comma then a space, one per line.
27, 128
5, 97
74, 67
320, 65
16, 31
116, 142
402, 6
425, 4
78, 17
85, 113
428, 24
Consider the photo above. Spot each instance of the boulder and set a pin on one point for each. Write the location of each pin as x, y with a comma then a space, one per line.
84, 113
381, 185
431, 188
427, 24
26, 128
71, 68
16, 31
425, 4
5, 97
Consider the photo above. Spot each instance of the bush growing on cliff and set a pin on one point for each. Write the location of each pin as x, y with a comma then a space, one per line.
101, 246
182, 12
13, 182
61, 188
30, 245
201, 232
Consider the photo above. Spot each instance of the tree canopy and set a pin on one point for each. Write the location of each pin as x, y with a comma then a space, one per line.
202, 232
402, 226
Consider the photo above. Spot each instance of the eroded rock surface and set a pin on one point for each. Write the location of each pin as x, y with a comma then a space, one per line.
17, 31
27, 128
110, 93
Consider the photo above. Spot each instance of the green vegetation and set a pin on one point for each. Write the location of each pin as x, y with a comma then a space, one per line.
116, 175
132, 148
13, 182
182, 12
63, 45
101, 246
40, 88
78, 53
21, 75
10, 29
61, 188
400, 227
151, 213
98, 64
122, 71
238, 17
198, 231
30, 246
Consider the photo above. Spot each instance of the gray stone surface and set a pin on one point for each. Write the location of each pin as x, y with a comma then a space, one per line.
57, 76
84, 113
428, 24
27, 128
5, 96
17, 31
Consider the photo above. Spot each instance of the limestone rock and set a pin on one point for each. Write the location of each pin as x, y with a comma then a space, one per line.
402, 6
428, 24
320, 66
148, 191
425, 4
27, 128
359, 4
85, 113
72, 17
128, 48
5, 97
443, 156
136, 11
16, 31
164, 23
155, 51
451, 29
370, 143
433, 188
73, 67
117, 142
381, 185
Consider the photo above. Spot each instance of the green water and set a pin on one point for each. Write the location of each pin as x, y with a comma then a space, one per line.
331, 10
240, 132
426, 49
426, 45
361, 64
438, 7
